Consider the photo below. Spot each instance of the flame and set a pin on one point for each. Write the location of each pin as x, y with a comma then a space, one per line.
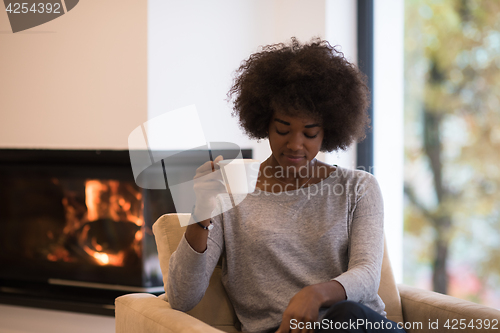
93, 191
103, 258
96, 245
119, 201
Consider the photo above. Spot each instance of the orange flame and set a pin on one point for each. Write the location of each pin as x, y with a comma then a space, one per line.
113, 200
103, 258
122, 202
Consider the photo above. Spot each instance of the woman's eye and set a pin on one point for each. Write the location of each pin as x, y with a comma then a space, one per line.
306, 135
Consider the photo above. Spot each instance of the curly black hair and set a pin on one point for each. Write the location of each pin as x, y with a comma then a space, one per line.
312, 79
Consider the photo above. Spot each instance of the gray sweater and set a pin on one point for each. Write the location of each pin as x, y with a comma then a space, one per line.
273, 245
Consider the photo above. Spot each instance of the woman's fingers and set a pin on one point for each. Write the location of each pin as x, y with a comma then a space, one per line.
209, 181
218, 159
283, 329
204, 169
208, 167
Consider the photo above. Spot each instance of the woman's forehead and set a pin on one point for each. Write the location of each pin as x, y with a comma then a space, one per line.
296, 116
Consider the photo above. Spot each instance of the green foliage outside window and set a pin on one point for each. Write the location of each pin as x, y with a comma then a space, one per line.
452, 147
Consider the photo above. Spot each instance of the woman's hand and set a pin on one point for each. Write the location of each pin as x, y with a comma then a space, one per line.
303, 308
207, 184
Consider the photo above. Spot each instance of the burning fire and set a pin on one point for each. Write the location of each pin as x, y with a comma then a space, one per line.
108, 226
117, 203
110, 199
103, 258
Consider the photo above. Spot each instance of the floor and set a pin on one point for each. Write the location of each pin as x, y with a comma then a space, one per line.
17, 319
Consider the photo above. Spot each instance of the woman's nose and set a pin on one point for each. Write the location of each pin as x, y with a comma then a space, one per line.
294, 143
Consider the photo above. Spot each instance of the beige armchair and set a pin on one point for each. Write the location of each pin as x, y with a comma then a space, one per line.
416, 308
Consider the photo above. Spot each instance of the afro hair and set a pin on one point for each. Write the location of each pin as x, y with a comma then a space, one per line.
311, 79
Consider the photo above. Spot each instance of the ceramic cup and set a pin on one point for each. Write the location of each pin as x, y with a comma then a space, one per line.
240, 175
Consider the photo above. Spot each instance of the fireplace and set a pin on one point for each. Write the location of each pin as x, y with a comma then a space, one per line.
76, 229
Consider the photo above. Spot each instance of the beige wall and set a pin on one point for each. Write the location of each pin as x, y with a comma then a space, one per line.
79, 81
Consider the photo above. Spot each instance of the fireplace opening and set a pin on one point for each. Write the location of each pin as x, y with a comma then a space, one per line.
69, 218
75, 227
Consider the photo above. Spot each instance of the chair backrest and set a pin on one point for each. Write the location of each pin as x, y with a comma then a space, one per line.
388, 290
215, 308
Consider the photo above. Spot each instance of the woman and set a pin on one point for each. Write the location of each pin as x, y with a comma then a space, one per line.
306, 247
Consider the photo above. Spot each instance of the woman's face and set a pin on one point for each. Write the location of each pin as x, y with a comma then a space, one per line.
294, 140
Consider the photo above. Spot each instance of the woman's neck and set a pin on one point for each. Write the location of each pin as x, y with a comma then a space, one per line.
290, 173
277, 178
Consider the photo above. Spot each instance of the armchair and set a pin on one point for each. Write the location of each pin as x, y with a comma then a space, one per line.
141, 312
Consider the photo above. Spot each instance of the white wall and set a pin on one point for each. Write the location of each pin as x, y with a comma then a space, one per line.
341, 29
388, 121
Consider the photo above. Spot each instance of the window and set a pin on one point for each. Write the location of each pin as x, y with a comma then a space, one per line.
452, 148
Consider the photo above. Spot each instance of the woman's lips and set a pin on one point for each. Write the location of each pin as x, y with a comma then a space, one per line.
294, 159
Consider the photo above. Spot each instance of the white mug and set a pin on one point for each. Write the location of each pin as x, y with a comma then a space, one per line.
240, 175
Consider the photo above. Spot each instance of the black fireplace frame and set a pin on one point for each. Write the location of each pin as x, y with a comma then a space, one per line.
61, 294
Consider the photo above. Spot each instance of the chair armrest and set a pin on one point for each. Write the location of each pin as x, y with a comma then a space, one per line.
423, 306
146, 313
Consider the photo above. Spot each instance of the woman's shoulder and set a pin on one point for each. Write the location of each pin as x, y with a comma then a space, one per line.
339, 172
357, 180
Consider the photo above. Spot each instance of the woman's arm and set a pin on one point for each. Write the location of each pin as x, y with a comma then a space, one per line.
192, 264
328, 293
197, 237
366, 242
189, 271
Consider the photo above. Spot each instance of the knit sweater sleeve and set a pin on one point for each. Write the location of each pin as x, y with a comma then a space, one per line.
189, 271
366, 242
